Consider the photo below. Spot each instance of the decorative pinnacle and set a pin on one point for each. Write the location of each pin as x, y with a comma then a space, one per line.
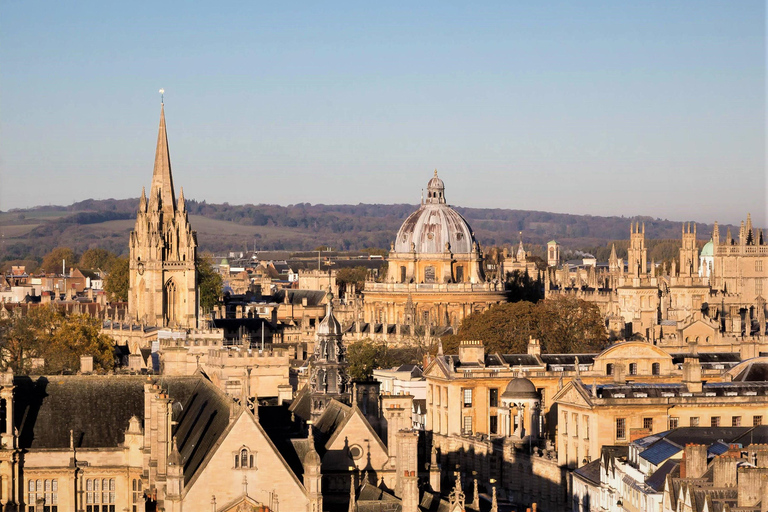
162, 93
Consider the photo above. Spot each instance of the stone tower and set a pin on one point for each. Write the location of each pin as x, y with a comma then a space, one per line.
163, 247
689, 252
328, 377
637, 254
553, 253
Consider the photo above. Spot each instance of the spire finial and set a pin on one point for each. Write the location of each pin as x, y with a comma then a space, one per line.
162, 96
435, 173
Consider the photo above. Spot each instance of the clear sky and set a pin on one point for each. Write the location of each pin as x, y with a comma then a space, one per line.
603, 108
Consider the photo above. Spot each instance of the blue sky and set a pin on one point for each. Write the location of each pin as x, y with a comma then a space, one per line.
603, 108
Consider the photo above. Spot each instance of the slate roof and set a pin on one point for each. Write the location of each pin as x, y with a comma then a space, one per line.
314, 297
590, 472
96, 407
661, 451
204, 417
657, 479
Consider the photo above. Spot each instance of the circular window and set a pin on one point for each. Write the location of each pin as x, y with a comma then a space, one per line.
355, 452
430, 236
459, 236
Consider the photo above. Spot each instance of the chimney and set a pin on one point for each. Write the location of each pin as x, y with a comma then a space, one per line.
86, 364
694, 460
534, 347
619, 374
692, 374
472, 351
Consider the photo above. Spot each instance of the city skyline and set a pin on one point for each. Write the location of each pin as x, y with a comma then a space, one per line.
599, 109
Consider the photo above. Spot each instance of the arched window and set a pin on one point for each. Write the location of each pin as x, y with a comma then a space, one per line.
656, 369
243, 458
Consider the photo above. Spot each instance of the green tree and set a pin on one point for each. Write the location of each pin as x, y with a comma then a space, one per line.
52, 262
364, 356
210, 283
97, 259
117, 280
352, 275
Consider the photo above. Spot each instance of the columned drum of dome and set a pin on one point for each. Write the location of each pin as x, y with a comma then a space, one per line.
434, 275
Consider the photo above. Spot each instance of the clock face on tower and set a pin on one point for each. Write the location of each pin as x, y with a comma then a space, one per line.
141, 268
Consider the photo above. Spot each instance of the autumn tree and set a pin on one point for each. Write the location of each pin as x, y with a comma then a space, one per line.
562, 325
209, 282
61, 339
97, 259
570, 325
52, 262
117, 280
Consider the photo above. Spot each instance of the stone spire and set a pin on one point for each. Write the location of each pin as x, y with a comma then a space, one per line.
162, 180
352, 507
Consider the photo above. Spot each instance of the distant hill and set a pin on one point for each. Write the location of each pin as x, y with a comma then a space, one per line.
31, 233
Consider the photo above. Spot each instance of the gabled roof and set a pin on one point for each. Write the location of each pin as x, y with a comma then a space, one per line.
339, 430
657, 479
204, 417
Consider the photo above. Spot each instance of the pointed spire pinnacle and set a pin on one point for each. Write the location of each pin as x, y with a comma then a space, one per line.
494, 501
182, 204
352, 507
143, 200
439, 347
162, 180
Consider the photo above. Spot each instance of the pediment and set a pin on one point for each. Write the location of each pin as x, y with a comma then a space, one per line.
245, 504
573, 395
435, 369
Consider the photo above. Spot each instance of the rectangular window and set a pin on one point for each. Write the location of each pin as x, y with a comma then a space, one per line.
633, 368
714, 421
757, 421
493, 424
648, 424
758, 265
467, 424
694, 421
621, 428
673, 422
565, 423
493, 397
736, 421
467, 393
758, 286
431, 393
586, 426
575, 425
541, 394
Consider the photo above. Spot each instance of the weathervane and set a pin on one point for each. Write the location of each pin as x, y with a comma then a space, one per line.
162, 92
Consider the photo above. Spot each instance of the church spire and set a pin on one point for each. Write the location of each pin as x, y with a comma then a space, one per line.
162, 180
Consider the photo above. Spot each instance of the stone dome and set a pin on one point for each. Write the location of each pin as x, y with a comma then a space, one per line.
520, 388
708, 249
329, 325
434, 225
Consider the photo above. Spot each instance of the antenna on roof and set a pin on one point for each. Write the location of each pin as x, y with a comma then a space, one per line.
162, 93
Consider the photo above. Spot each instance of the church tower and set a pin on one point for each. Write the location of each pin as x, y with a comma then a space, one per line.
689, 252
163, 248
637, 254
328, 377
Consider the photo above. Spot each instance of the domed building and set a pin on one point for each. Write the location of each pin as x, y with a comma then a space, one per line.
435, 276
